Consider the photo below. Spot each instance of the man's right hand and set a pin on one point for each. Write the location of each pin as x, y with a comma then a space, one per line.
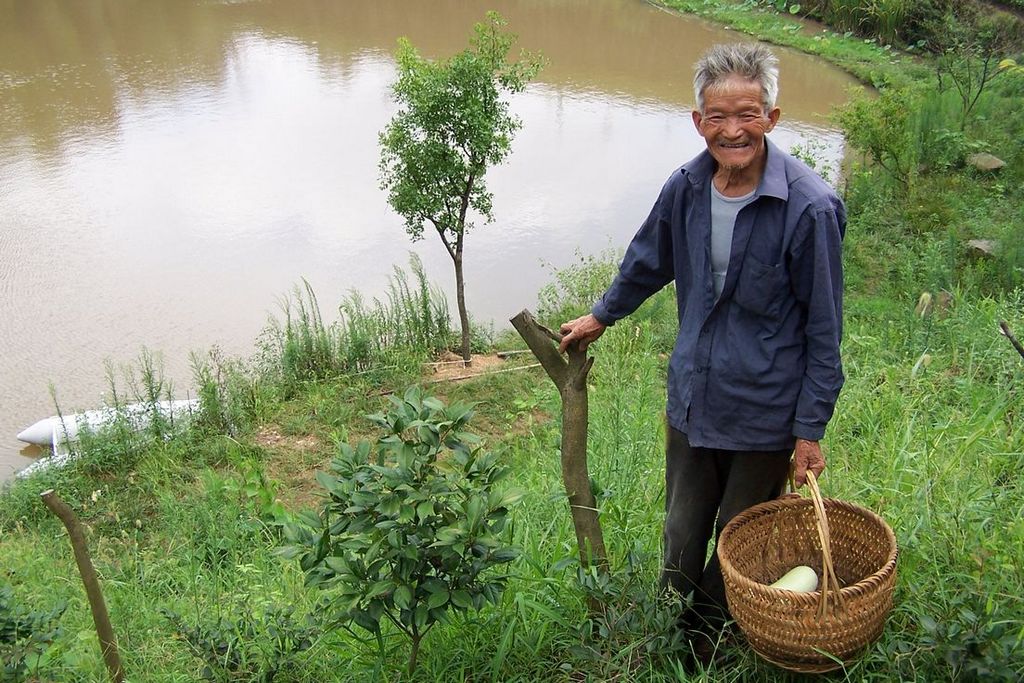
581, 331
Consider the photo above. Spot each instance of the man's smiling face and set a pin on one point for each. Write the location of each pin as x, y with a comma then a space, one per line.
734, 123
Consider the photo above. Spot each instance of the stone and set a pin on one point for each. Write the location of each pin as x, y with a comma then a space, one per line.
983, 247
985, 162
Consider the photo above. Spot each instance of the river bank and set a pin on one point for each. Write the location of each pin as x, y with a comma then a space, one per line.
927, 434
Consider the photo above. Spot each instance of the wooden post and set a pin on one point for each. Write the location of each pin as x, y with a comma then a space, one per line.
100, 617
570, 376
1005, 329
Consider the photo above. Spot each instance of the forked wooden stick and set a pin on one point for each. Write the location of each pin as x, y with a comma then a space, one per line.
570, 376
108, 644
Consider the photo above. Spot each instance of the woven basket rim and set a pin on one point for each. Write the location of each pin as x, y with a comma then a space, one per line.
812, 598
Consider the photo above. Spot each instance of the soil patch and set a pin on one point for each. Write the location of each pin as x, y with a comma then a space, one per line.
293, 462
451, 367
294, 459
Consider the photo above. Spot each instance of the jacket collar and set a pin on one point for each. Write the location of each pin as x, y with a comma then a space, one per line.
774, 182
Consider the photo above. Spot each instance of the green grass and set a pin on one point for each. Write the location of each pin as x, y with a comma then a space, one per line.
865, 58
934, 450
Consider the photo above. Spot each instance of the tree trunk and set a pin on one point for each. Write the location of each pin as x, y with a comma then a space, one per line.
571, 379
414, 654
460, 296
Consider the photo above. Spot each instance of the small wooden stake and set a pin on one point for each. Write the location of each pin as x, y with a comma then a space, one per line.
100, 617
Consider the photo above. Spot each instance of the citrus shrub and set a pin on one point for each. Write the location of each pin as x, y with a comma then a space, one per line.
24, 635
412, 524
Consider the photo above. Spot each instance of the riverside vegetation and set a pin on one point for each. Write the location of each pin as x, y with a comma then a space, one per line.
187, 527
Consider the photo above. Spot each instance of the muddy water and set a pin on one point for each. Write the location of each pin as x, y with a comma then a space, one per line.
168, 169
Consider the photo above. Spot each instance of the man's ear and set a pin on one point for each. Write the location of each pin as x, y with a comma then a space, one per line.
773, 117
696, 120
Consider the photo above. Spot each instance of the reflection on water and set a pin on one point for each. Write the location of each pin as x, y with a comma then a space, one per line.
168, 169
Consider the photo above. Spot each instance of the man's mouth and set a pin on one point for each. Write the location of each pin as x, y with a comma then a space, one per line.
733, 145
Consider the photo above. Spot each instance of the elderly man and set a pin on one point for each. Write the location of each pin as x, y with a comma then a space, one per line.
752, 238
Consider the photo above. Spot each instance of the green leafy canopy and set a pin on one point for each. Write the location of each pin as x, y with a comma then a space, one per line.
411, 526
24, 635
452, 124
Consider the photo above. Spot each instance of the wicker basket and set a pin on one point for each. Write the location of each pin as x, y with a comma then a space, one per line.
847, 546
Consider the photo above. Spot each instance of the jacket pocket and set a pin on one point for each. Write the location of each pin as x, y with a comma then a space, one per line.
759, 287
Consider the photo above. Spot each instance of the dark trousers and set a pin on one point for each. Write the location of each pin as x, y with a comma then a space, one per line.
702, 484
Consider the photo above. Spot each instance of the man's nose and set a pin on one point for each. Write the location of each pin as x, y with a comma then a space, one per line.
732, 127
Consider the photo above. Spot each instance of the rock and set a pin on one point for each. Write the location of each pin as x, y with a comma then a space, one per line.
985, 248
985, 162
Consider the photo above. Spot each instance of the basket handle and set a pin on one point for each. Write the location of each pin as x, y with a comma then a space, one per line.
829, 580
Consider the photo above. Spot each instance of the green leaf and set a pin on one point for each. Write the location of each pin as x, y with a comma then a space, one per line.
420, 615
390, 506
378, 588
447, 535
563, 563
412, 397
327, 481
364, 620
406, 514
337, 565
438, 599
424, 510
403, 597
474, 511
462, 599
428, 436
504, 499
505, 555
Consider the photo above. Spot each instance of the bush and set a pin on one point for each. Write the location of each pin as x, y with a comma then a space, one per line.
251, 646
883, 129
976, 642
634, 624
24, 635
409, 532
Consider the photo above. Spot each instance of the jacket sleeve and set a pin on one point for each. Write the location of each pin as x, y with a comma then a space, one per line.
817, 272
647, 265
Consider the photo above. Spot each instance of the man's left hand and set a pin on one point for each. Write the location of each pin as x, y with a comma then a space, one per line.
807, 456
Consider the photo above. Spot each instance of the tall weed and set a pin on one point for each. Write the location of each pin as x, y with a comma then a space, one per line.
232, 394
413, 318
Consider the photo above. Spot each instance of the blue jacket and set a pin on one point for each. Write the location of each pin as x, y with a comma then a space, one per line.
760, 367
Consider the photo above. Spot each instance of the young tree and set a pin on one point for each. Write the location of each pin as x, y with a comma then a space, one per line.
971, 46
451, 127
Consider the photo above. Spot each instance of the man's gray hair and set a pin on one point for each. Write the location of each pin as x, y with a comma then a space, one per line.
752, 61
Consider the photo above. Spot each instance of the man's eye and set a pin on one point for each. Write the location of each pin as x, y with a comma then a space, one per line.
716, 120
749, 118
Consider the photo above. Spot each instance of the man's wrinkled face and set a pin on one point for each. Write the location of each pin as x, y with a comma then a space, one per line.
734, 123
